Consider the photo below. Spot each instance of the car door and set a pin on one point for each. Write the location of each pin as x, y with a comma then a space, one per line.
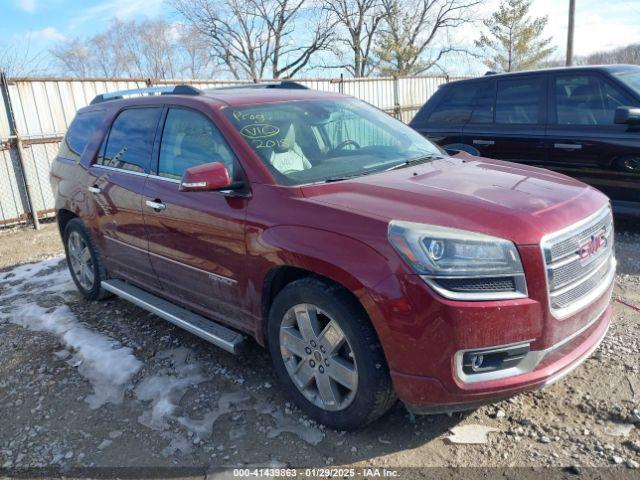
119, 175
517, 131
196, 239
582, 138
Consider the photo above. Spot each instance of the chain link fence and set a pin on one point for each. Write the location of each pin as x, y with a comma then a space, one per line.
35, 114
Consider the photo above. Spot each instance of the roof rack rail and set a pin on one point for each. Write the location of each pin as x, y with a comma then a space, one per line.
285, 84
490, 72
165, 90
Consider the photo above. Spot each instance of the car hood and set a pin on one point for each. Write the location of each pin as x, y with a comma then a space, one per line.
498, 198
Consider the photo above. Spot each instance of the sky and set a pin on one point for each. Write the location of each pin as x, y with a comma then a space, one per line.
40, 24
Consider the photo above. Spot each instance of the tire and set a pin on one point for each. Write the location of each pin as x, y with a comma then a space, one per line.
358, 358
79, 247
629, 164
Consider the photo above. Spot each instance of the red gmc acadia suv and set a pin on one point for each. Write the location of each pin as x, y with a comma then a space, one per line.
372, 264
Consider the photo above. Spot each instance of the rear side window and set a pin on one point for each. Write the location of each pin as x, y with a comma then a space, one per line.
130, 139
190, 139
587, 100
79, 134
485, 94
518, 101
455, 107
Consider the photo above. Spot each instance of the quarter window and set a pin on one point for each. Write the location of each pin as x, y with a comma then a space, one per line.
130, 140
456, 106
518, 101
485, 93
190, 139
79, 134
587, 100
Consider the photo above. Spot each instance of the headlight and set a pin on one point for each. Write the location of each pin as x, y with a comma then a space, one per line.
459, 264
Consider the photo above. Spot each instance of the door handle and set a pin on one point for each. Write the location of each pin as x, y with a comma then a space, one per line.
484, 142
94, 189
156, 204
567, 146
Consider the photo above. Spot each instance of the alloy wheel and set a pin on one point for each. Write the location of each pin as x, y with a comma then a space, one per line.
632, 164
81, 261
318, 357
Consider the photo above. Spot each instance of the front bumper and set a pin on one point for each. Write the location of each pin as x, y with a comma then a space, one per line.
424, 334
428, 395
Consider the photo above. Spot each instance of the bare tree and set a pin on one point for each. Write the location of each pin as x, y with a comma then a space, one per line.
629, 54
361, 20
251, 37
194, 54
290, 49
158, 45
18, 61
408, 44
149, 49
74, 57
235, 34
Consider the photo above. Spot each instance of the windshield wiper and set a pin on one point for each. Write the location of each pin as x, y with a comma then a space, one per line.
406, 163
344, 177
414, 161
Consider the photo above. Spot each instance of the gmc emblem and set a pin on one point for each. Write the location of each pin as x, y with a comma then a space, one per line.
593, 244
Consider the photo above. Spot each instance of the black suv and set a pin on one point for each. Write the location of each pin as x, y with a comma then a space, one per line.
580, 121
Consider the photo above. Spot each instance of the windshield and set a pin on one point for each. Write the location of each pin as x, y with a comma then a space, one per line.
630, 77
327, 140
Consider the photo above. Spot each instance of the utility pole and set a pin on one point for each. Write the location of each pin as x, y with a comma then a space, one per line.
572, 14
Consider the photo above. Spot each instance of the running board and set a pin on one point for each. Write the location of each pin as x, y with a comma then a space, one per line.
219, 335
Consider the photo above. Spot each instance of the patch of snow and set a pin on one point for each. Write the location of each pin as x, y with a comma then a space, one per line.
107, 364
470, 434
165, 390
306, 432
179, 443
29, 271
48, 277
204, 427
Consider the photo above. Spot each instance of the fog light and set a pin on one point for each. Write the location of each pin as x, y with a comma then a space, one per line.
476, 362
491, 359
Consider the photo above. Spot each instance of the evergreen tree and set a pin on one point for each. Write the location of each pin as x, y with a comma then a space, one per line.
514, 41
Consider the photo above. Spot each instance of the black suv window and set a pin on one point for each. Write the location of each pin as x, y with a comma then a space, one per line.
518, 101
78, 135
455, 107
587, 100
190, 139
485, 99
130, 139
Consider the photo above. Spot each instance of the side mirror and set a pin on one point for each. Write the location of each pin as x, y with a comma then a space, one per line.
627, 115
206, 177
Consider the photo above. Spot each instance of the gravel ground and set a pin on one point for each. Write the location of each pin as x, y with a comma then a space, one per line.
105, 384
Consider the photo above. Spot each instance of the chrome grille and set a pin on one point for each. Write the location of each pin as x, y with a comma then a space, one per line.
579, 262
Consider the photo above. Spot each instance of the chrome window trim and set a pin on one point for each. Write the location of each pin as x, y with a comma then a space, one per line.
527, 364
563, 234
519, 293
123, 170
166, 179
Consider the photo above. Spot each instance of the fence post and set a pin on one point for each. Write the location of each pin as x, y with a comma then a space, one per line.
14, 132
397, 111
341, 84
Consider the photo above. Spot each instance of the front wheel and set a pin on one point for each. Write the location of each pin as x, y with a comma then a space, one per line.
327, 355
83, 260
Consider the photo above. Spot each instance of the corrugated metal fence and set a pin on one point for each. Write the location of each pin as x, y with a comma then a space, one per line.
35, 113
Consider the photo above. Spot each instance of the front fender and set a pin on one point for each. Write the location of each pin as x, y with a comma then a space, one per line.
344, 260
